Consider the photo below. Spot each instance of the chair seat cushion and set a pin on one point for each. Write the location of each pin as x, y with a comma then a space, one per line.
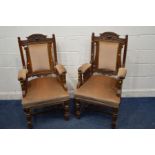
42, 91
99, 89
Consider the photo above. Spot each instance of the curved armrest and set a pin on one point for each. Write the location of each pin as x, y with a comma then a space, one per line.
84, 73
122, 73
22, 77
60, 69
120, 76
84, 67
22, 74
61, 72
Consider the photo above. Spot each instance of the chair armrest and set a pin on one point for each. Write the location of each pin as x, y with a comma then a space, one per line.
84, 73
60, 69
22, 77
122, 73
61, 72
120, 76
22, 74
84, 67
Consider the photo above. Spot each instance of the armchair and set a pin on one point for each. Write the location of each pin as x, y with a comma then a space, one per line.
42, 79
100, 81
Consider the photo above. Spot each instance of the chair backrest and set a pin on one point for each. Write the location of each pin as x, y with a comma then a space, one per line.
38, 54
106, 52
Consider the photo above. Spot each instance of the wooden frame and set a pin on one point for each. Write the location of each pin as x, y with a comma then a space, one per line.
23, 47
83, 77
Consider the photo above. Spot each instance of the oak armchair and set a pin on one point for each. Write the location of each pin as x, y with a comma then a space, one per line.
42, 79
100, 81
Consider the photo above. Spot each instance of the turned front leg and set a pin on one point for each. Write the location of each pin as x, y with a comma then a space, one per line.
28, 117
77, 109
66, 110
114, 117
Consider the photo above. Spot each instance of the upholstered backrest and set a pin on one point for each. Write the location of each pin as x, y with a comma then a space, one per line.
39, 56
107, 56
106, 52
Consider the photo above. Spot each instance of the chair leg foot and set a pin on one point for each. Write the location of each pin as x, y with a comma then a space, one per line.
114, 117
77, 109
29, 118
66, 111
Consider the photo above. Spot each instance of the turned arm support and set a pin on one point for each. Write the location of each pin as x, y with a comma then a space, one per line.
120, 77
22, 77
61, 72
84, 73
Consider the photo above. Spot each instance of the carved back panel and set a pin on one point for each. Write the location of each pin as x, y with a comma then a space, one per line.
38, 54
107, 53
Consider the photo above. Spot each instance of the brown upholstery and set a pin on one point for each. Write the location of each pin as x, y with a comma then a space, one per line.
45, 90
84, 67
22, 74
60, 69
39, 57
122, 73
108, 55
99, 89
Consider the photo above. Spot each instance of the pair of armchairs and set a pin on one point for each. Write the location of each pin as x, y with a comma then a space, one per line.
43, 80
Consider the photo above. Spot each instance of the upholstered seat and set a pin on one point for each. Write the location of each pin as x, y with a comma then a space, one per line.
44, 91
99, 89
